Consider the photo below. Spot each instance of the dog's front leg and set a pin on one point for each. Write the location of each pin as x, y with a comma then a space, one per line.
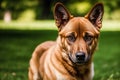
34, 64
36, 76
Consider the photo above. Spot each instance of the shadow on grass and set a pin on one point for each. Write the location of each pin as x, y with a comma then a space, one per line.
16, 48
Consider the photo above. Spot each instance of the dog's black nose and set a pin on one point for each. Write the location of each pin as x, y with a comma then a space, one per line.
80, 57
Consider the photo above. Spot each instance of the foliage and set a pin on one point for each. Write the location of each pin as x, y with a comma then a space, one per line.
116, 14
27, 15
42, 9
79, 8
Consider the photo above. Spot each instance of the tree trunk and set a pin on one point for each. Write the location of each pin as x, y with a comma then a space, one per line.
46, 8
7, 16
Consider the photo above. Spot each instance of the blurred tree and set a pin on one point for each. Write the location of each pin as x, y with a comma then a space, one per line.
42, 9
1, 4
46, 8
8, 7
15, 8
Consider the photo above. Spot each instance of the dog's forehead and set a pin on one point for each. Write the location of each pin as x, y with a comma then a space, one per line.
80, 24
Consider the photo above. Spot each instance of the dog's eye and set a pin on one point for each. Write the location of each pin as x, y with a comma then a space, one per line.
88, 38
71, 38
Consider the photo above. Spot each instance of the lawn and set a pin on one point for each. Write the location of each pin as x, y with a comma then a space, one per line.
18, 43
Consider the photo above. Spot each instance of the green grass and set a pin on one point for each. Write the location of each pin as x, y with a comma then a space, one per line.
17, 45
106, 59
16, 48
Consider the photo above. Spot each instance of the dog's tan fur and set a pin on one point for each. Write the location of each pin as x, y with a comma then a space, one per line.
57, 60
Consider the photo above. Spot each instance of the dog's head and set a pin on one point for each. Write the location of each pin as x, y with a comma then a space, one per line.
78, 36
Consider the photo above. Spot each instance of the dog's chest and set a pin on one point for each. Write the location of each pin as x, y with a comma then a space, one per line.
60, 76
65, 76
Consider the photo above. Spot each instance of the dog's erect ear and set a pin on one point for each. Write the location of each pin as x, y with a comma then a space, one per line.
61, 15
95, 15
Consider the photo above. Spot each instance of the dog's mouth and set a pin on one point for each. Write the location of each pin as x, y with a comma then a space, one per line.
79, 60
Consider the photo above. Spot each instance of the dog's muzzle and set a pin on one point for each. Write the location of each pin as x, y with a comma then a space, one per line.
79, 58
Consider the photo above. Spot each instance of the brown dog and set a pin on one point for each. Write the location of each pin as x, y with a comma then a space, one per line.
70, 57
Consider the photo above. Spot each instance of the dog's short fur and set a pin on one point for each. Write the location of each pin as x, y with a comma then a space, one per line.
70, 57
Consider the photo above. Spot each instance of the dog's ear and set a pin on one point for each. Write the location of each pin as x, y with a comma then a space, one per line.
61, 15
95, 15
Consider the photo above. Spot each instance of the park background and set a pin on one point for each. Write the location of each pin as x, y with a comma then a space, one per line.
26, 23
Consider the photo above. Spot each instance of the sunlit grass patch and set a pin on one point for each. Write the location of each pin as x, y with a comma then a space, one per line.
108, 25
35, 25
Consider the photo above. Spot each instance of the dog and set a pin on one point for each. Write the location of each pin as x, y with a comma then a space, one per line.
70, 57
